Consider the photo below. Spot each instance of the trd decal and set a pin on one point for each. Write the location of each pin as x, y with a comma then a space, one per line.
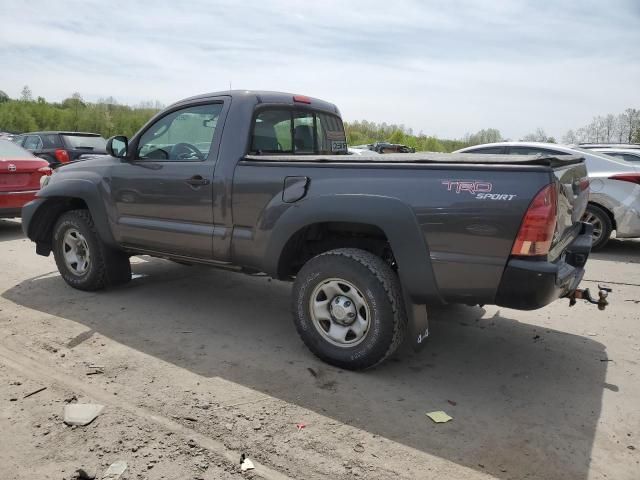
481, 190
470, 186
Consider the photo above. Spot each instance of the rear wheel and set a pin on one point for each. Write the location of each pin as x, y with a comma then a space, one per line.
348, 309
602, 225
83, 260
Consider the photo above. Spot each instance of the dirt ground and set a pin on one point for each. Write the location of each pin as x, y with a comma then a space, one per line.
197, 366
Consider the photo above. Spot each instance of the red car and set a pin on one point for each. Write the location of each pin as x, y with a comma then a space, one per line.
20, 174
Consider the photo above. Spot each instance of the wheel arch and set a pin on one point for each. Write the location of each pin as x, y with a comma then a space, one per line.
40, 216
607, 211
385, 216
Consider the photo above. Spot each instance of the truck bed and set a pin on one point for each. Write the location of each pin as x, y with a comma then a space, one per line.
427, 157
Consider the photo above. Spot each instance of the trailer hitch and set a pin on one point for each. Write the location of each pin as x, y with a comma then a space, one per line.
584, 294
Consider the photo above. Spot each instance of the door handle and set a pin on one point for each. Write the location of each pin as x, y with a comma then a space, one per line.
197, 181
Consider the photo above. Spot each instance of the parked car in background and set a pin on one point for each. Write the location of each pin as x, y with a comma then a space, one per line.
628, 154
7, 136
385, 147
62, 147
614, 199
589, 146
20, 173
361, 151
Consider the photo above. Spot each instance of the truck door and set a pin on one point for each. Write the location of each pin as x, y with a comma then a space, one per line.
163, 195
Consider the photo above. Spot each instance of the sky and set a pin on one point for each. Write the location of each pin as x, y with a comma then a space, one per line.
444, 68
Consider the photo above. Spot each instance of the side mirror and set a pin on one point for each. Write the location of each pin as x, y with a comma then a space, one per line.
118, 146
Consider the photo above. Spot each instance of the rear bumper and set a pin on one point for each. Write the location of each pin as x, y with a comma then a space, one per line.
532, 284
12, 202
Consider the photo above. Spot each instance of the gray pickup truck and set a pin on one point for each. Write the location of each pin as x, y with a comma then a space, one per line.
262, 182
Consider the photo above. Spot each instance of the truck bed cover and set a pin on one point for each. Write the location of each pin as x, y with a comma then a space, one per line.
428, 157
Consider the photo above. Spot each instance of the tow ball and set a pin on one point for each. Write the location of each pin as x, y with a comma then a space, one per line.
585, 294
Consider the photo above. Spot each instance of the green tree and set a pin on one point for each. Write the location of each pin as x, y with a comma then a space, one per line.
26, 95
3, 97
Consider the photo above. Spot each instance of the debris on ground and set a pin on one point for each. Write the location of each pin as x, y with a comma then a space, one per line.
451, 402
300, 426
115, 470
82, 474
81, 413
34, 392
439, 416
245, 463
358, 447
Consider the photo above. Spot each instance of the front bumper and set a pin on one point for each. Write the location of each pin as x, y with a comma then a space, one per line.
531, 284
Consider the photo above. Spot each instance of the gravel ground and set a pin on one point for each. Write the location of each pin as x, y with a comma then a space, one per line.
198, 366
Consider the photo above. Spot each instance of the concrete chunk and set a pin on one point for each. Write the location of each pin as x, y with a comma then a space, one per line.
115, 470
81, 413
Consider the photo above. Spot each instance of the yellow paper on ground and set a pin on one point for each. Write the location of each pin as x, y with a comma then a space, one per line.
439, 416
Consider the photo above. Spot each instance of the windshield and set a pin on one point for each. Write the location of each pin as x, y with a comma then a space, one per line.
11, 151
88, 142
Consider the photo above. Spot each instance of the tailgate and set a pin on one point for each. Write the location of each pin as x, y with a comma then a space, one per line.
573, 196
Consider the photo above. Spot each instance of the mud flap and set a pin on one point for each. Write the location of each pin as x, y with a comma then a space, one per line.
418, 323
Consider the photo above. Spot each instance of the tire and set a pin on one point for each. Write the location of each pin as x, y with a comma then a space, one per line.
602, 226
103, 267
376, 298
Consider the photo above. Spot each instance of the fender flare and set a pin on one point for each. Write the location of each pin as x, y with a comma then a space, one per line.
41, 214
395, 218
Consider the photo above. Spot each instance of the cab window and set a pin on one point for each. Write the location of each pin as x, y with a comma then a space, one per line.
183, 135
289, 131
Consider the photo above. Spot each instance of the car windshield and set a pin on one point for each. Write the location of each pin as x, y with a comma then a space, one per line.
11, 151
89, 142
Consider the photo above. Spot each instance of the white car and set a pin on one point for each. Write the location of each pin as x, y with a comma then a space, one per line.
614, 198
628, 154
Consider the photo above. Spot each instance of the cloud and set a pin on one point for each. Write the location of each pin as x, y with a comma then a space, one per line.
443, 67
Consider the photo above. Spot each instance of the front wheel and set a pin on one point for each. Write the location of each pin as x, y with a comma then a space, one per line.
83, 260
602, 225
347, 308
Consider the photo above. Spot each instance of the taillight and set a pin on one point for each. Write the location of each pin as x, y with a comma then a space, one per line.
301, 99
45, 170
627, 177
62, 155
539, 224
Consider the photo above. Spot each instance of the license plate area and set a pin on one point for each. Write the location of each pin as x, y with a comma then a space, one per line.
14, 179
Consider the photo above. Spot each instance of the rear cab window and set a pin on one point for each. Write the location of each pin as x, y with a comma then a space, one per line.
290, 131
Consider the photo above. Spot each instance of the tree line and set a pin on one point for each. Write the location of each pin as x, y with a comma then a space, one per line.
106, 116
364, 132
621, 128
